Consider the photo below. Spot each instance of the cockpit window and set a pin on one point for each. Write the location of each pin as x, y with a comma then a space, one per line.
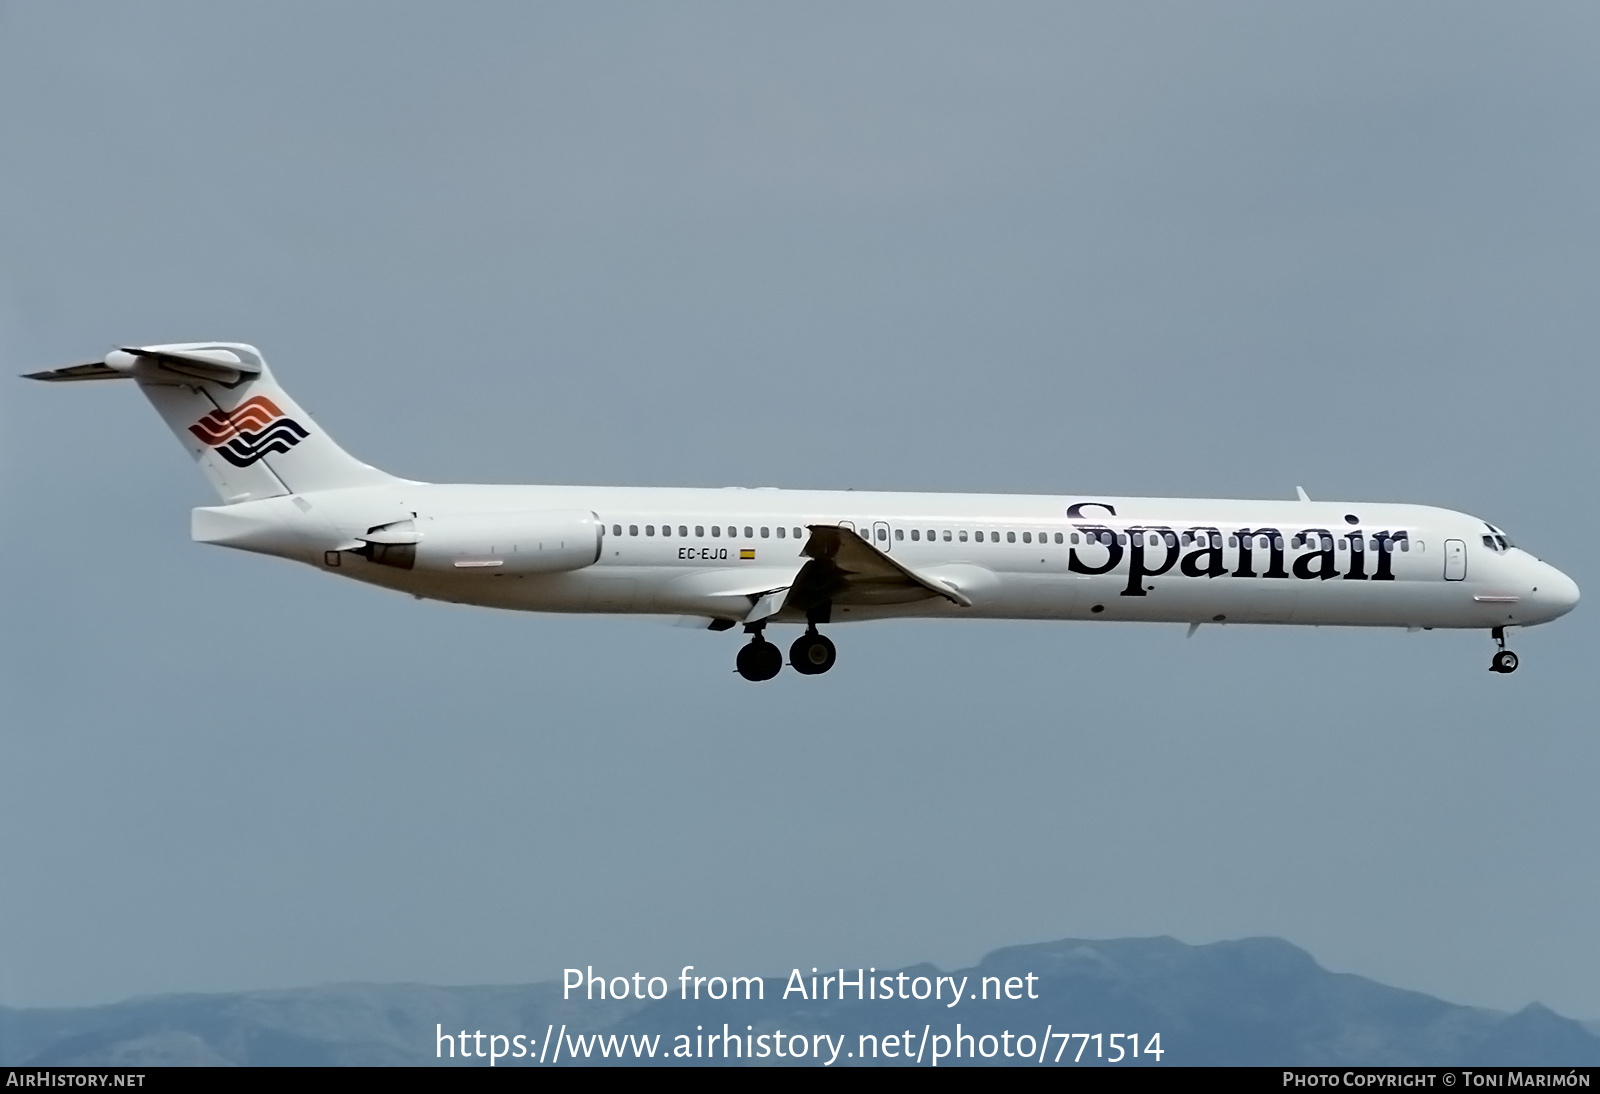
1497, 540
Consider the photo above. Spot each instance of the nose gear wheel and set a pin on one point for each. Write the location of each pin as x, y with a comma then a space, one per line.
1504, 660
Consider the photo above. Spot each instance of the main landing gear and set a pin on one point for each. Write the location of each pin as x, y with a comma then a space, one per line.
811, 655
1505, 660
760, 659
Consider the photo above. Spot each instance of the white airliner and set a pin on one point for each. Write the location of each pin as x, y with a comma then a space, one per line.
754, 557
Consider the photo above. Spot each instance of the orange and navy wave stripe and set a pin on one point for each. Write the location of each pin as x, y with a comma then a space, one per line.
220, 425
248, 432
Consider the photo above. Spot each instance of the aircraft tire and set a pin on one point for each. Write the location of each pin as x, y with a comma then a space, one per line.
812, 654
759, 660
1504, 661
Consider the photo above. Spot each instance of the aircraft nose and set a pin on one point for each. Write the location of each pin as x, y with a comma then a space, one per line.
1558, 594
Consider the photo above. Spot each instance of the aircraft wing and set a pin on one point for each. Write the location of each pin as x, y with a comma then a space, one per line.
846, 569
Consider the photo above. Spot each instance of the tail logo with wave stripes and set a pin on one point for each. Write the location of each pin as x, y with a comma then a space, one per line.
249, 431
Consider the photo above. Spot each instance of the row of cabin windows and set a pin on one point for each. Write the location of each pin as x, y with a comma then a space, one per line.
993, 537
700, 530
1167, 539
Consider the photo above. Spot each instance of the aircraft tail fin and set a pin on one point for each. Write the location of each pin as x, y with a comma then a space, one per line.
249, 437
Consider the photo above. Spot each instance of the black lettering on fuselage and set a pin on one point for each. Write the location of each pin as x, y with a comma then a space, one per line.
1274, 545
1137, 571
1388, 543
1114, 551
1207, 561
1075, 510
1358, 557
705, 553
1319, 564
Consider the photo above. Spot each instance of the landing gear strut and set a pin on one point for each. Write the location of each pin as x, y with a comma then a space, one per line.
1505, 660
812, 654
759, 659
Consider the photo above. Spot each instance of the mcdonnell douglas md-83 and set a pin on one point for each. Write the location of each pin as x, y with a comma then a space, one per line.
750, 558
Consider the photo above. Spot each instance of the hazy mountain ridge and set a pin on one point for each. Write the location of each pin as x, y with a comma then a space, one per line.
1255, 1001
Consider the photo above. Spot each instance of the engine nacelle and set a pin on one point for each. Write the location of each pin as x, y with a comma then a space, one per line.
542, 542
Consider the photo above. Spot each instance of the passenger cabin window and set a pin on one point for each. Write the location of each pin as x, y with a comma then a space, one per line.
963, 537
716, 531
763, 531
616, 529
781, 532
700, 531
1058, 538
883, 535
1011, 537
947, 535
916, 534
797, 533
899, 533
633, 529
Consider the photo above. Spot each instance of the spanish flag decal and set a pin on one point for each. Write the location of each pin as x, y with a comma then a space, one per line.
747, 552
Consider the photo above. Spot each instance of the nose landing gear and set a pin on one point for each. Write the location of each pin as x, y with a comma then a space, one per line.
1504, 660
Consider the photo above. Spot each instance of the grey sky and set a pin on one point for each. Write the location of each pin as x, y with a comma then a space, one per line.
1167, 249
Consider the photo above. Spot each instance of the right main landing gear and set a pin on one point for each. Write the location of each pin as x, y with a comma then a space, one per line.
1505, 660
812, 654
